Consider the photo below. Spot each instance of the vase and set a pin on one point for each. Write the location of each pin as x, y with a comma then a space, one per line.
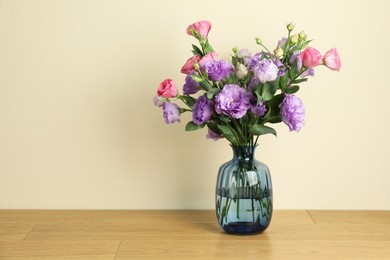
244, 193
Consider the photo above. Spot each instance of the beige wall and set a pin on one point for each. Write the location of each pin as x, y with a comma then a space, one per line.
78, 129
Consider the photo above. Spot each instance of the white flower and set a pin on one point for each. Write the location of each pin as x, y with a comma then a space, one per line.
241, 71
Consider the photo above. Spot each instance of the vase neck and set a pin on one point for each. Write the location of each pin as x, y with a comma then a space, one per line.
246, 153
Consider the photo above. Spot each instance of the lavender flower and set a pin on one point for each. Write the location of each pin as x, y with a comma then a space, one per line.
266, 70
257, 109
245, 55
296, 56
217, 69
292, 112
282, 42
158, 101
307, 73
232, 101
171, 113
213, 136
256, 59
203, 110
190, 86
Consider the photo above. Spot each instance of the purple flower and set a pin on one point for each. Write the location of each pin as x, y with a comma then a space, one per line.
158, 101
213, 136
217, 69
253, 83
292, 112
171, 113
266, 70
257, 109
282, 42
256, 59
307, 73
245, 55
190, 86
296, 56
280, 65
232, 101
203, 110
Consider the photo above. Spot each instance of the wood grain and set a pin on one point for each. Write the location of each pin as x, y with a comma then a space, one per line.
191, 234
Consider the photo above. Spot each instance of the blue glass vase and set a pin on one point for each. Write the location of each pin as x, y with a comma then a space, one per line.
244, 193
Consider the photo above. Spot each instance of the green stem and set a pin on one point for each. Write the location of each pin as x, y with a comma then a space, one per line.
299, 74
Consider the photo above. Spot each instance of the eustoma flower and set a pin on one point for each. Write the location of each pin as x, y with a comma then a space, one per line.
241, 98
167, 89
311, 57
332, 60
203, 110
217, 69
189, 66
190, 86
292, 112
232, 101
171, 113
265, 70
201, 27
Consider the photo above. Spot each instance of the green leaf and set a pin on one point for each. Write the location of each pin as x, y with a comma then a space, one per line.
274, 104
275, 119
297, 81
244, 120
283, 81
190, 101
197, 78
191, 126
269, 89
213, 127
207, 47
303, 46
228, 134
197, 51
261, 130
291, 90
225, 118
212, 92
205, 85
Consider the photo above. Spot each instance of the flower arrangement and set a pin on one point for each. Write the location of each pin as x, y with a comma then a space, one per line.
236, 99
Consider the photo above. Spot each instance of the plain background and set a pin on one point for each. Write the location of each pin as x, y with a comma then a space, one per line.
78, 129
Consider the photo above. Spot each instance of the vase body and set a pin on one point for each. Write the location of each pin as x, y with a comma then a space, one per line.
244, 193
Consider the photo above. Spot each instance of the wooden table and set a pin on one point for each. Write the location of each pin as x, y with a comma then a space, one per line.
191, 234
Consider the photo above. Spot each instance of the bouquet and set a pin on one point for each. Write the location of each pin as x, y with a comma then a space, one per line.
238, 100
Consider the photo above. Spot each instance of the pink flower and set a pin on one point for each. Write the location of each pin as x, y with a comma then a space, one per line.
311, 57
209, 56
189, 65
332, 60
167, 89
202, 27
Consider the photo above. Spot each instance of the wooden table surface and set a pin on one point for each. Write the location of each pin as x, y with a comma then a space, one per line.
191, 234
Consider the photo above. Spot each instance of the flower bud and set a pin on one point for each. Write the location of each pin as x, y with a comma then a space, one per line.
278, 52
258, 41
196, 65
290, 27
302, 35
235, 50
294, 39
241, 71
